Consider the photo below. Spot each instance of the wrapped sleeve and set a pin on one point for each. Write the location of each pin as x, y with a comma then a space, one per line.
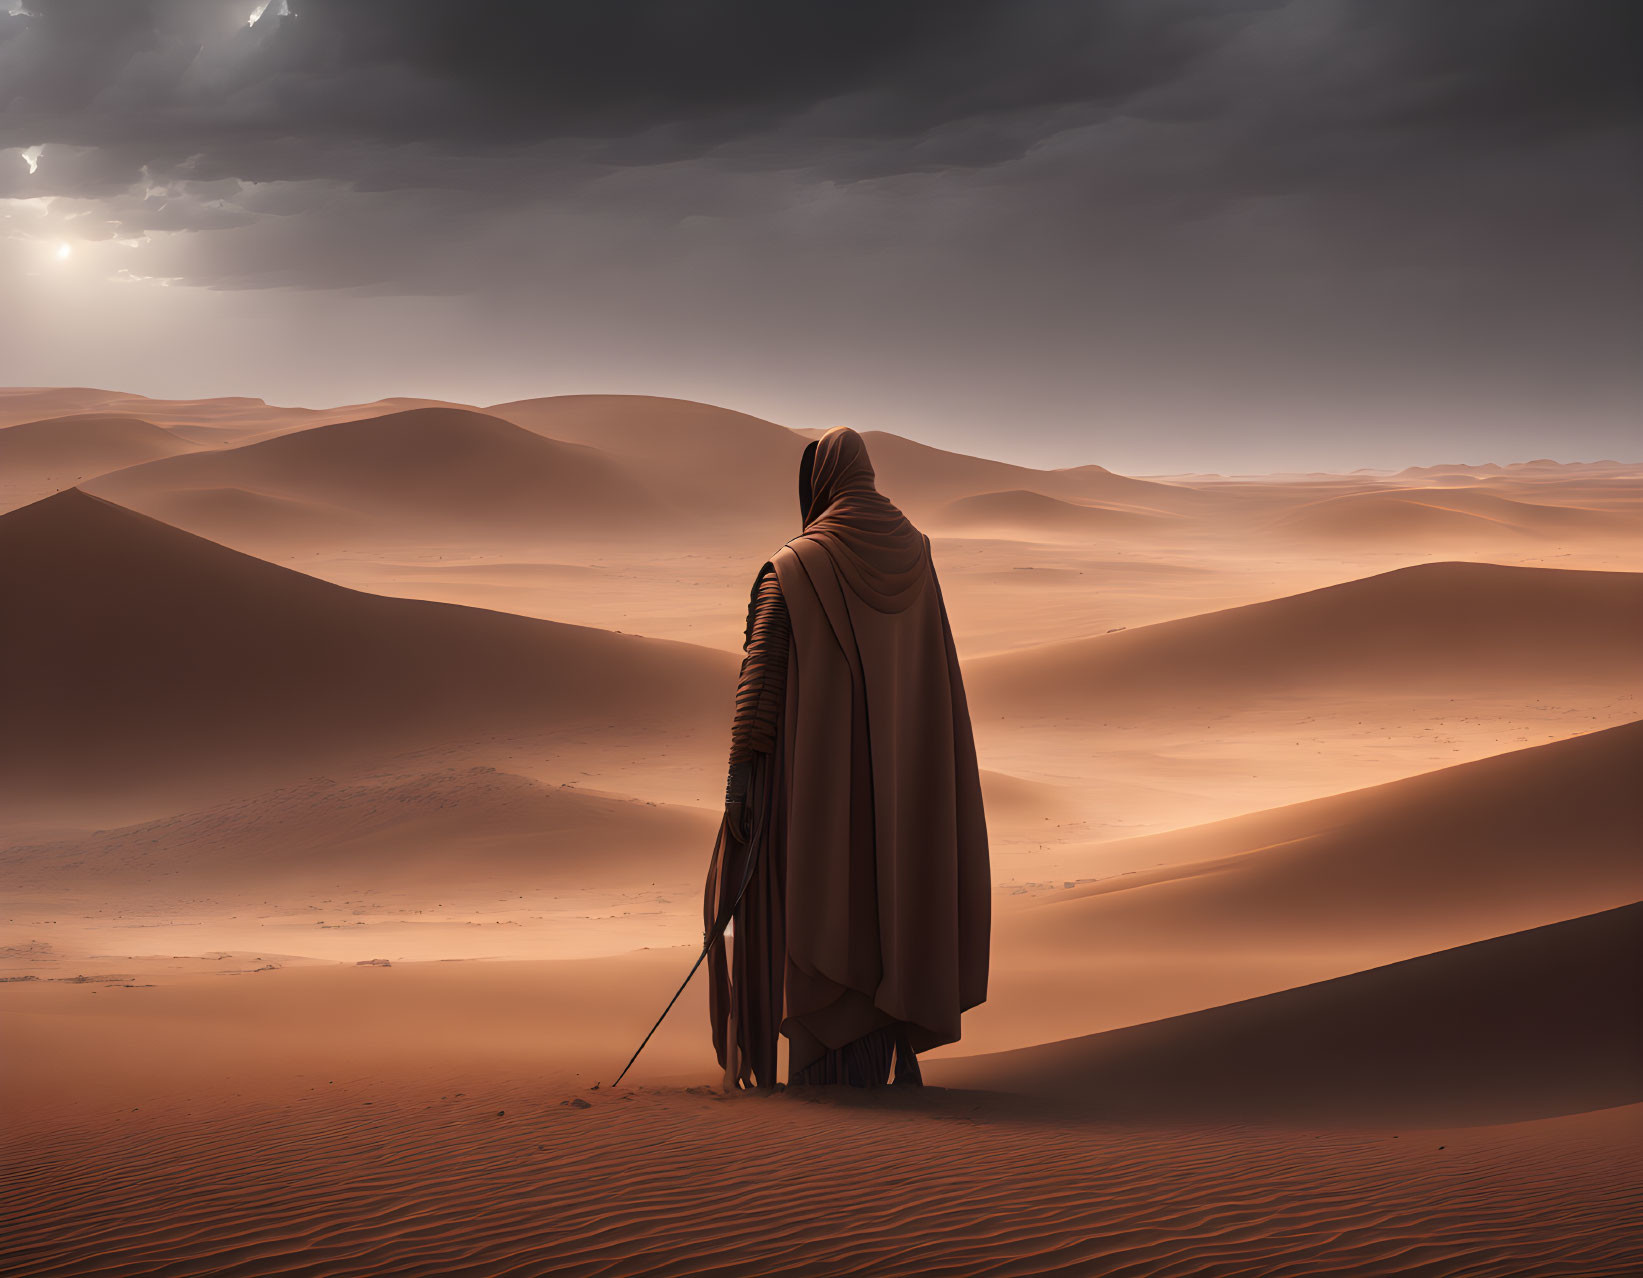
762, 688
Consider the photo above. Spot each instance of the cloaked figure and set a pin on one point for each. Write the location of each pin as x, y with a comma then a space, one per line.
852, 857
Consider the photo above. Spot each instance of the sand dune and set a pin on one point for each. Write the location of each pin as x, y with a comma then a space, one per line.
1460, 628
377, 408
236, 514
1475, 850
257, 420
470, 827
1023, 514
723, 466
1538, 1023
1156, 926
1014, 800
138, 655
1445, 513
38, 458
665, 431
424, 472
85, 443
35, 403
1620, 497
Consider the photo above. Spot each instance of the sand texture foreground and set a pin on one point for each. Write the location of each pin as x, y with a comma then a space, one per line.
511, 1180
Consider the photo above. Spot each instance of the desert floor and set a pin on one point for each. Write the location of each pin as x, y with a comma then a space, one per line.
360, 770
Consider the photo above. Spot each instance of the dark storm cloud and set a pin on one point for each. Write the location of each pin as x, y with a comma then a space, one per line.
1295, 198
670, 78
408, 94
674, 78
514, 103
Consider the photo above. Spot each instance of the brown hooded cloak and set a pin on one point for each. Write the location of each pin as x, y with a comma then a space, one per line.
868, 900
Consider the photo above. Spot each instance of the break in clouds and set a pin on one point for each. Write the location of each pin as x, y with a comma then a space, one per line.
1159, 233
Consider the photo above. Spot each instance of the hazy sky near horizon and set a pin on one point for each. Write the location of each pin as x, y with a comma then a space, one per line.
1161, 235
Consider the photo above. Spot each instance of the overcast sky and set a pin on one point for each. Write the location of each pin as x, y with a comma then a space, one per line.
1161, 235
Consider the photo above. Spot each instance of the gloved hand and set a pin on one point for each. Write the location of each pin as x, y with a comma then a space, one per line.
736, 788
736, 820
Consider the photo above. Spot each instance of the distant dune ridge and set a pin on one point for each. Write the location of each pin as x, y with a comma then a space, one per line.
431, 470
226, 419
216, 419
1541, 466
716, 459
1538, 1023
919, 478
137, 655
1445, 512
1449, 468
1462, 628
1023, 513
728, 467
35, 403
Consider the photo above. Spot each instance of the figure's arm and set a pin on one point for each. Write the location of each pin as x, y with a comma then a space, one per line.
760, 693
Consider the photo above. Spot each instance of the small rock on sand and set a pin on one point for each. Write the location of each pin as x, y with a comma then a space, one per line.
576, 1102
373, 963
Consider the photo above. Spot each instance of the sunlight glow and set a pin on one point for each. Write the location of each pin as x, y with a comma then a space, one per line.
64, 252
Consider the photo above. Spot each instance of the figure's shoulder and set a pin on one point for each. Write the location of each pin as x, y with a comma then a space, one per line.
763, 577
799, 551
802, 566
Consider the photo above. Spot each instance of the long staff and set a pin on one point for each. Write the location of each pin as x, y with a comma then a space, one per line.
719, 926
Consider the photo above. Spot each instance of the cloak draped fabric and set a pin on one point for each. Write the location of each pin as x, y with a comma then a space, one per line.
865, 921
